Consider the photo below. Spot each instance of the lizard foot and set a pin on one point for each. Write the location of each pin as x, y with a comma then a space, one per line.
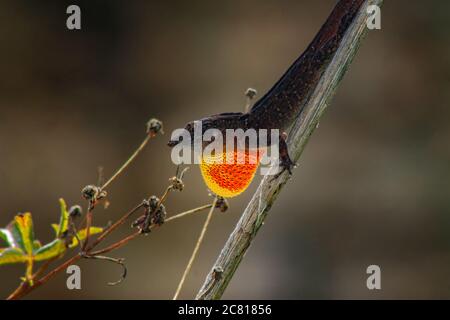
286, 164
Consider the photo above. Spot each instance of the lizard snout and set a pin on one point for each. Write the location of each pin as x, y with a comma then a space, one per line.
172, 143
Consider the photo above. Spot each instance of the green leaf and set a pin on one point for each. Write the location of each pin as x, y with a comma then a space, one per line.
82, 235
50, 250
22, 232
6, 236
55, 228
63, 219
24, 248
12, 255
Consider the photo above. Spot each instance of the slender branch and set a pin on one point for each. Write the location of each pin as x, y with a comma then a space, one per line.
182, 214
117, 244
88, 224
256, 211
197, 247
42, 269
93, 201
94, 194
119, 261
115, 226
127, 163
127, 239
164, 196
26, 284
27, 288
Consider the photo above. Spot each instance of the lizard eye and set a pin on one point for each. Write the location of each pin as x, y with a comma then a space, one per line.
180, 136
190, 127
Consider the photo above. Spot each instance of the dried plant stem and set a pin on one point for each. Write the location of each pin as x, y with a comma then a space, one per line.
40, 271
25, 288
117, 244
197, 247
117, 224
88, 226
164, 196
107, 183
182, 214
127, 163
119, 261
127, 239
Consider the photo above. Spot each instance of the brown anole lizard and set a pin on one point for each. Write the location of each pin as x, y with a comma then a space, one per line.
283, 103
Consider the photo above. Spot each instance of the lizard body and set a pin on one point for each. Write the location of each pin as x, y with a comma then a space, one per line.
283, 103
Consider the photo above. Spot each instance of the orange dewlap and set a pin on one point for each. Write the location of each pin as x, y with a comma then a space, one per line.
230, 180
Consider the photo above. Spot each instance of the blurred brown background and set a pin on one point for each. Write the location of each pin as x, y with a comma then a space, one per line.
373, 186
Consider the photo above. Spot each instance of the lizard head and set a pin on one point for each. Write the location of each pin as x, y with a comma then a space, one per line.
222, 178
176, 139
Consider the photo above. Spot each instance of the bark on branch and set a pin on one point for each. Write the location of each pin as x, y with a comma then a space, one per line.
256, 212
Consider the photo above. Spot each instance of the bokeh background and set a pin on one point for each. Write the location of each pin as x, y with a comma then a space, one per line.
372, 187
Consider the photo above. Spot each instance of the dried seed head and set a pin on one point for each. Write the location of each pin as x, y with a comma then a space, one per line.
176, 184
154, 214
160, 216
222, 204
102, 195
154, 126
75, 211
93, 193
250, 93
145, 228
90, 192
153, 202
145, 203
138, 221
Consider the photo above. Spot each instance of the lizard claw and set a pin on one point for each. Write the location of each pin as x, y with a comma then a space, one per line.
285, 164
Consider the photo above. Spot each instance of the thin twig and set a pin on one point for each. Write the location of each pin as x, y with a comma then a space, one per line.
24, 284
88, 224
182, 214
117, 224
127, 163
117, 244
119, 261
127, 239
164, 196
197, 247
107, 183
19, 293
153, 127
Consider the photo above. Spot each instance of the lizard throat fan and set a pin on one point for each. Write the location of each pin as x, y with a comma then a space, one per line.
229, 180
